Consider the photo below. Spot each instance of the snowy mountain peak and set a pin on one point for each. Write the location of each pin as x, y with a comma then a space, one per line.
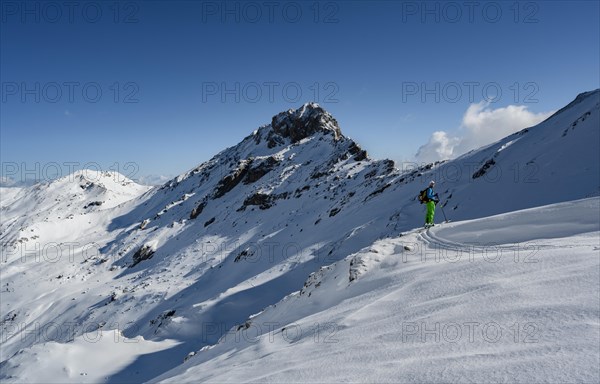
88, 179
46, 208
302, 123
87, 183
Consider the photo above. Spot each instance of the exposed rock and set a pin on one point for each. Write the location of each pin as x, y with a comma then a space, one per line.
274, 140
163, 319
299, 191
262, 200
243, 255
144, 253
246, 325
487, 165
370, 174
358, 153
197, 210
232, 180
189, 356
257, 171
357, 267
302, 123
334, 212
92, 204
318, 174
389, 166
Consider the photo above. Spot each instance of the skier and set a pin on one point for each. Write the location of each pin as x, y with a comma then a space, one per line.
432, 200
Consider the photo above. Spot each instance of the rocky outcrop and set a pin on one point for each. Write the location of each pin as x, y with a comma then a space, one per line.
197, 210
487, 165
230, 181
260, 168
301, 123
262, 200
358, 153
145, 252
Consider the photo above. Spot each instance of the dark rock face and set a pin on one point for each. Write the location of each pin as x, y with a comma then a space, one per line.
243, 255
488, 164
93, 203
358, 153
258, 170
197, 210
230, 181
301, 123
263, 201
248, 171
144, 253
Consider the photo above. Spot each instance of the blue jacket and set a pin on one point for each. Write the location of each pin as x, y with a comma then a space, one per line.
430, 194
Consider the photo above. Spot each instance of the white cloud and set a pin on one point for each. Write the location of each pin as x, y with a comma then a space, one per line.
481, 125
153, 179
440, 146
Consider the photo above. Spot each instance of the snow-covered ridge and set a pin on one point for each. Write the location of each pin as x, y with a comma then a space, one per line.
49, 204
115, 187
580, 98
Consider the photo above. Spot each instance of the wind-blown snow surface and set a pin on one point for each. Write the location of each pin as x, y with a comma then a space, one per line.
196, 258
426, 309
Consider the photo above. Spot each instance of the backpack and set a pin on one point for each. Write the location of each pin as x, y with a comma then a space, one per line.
422, 197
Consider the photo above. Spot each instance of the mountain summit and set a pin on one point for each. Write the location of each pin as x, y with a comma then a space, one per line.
303, 122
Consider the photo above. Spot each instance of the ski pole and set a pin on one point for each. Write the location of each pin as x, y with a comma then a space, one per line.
444, 213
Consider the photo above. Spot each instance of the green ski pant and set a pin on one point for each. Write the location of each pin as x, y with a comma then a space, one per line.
430, 212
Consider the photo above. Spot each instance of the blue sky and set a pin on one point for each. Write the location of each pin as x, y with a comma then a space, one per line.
157, 87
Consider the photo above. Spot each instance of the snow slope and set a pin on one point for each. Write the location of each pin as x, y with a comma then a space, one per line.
89, 358
423, 308
197, 257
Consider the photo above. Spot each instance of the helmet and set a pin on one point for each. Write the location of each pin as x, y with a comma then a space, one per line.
431, 183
